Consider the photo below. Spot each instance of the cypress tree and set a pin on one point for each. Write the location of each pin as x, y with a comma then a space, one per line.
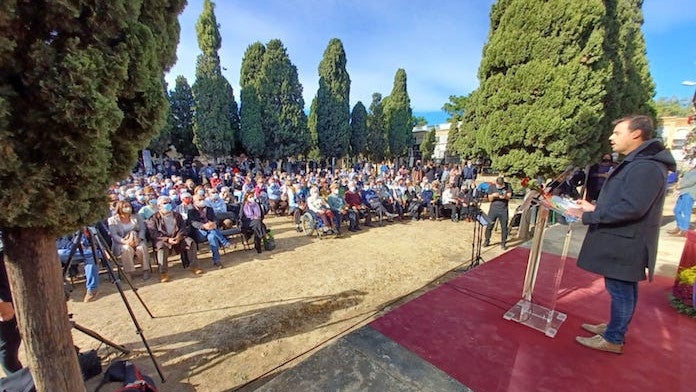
553, 76
427, 148
376, 130
182, 109
630, 88
82, 93
461, 139
333, 102
160, 143
284, 122
358, 130
637, 87
251, 133
398, 114
216, 118
313, 151
540, 104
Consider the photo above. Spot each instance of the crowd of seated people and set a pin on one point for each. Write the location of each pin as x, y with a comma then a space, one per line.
179, 206
423, 191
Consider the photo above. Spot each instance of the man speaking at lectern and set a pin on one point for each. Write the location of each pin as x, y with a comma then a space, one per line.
621, 240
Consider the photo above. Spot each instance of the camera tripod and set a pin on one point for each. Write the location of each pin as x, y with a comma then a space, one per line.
480, 222
101, 251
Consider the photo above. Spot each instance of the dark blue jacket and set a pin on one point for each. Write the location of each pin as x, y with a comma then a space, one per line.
621, 241
369, 195
427, 196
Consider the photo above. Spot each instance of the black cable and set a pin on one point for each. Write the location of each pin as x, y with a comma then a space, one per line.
482, 297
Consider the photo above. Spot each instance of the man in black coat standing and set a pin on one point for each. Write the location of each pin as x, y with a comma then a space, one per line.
621, 241
499, 196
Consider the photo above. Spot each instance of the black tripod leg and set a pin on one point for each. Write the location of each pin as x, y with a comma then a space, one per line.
476, 245
109, 254
479, 243
95, 238
473, 243
100, 338
479, 231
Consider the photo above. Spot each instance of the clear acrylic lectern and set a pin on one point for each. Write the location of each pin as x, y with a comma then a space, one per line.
544, 317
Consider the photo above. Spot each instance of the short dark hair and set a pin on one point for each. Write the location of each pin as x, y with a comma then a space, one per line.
639, 122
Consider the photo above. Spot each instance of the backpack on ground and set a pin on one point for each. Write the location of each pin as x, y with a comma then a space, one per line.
90, 364
132, 378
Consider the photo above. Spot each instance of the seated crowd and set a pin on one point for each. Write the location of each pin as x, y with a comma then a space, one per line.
177, 208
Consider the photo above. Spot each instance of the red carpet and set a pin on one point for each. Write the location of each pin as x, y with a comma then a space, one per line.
459, 328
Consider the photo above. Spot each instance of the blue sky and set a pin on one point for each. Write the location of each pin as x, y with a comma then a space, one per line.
437, 42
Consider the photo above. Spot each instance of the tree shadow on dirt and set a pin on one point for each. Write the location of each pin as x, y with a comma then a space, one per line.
196, 351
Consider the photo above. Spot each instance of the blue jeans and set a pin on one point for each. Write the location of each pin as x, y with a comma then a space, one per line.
624, 296
682, 211
214, 238
338, 217
91, 273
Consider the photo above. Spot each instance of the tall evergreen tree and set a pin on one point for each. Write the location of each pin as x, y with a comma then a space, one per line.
637, 87
216, 119
161, 142
630, 88
376, 130
398, 114
251, 133
81, 93
543, 78
333, 102
182, 109
284, 121
462, 136
427, 148
358, 130
313, 151
553, 76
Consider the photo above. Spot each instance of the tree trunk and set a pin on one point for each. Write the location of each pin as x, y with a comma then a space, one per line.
35, 276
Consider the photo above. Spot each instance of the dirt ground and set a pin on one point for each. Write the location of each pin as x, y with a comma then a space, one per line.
263, 313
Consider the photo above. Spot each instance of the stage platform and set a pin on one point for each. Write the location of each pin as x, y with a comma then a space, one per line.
454, 338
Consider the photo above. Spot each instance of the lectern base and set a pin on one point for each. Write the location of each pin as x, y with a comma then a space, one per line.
536, 316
